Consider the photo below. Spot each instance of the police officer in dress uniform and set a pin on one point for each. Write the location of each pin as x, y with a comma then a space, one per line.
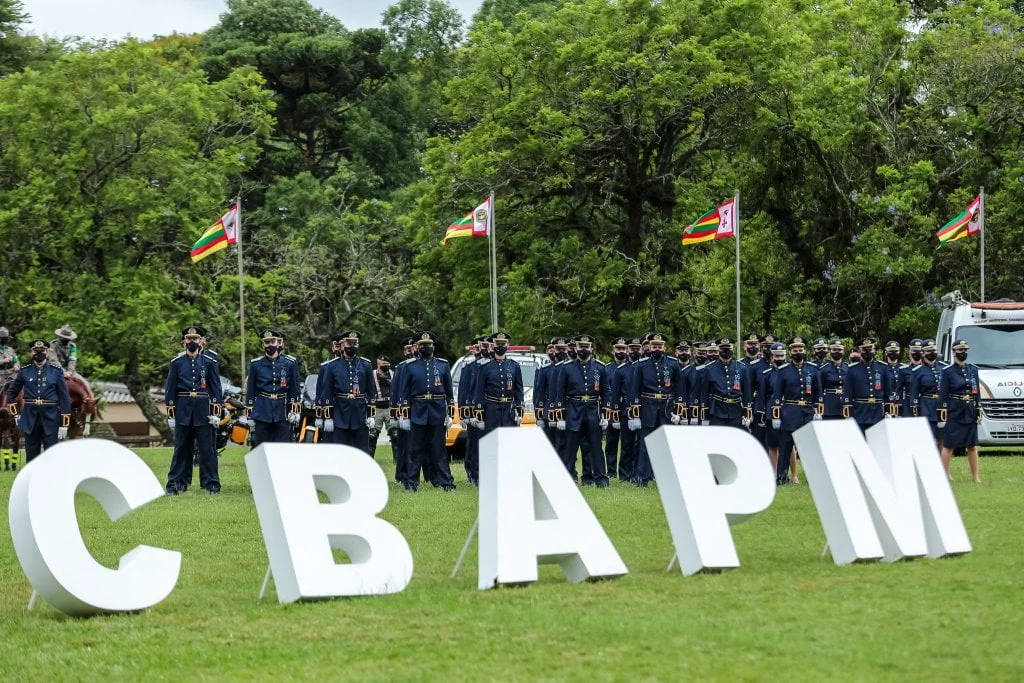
726, 390
582, 409
381, 417
820, 352
193, 398
428, 406
959, 408
869, 387
400, 447
764, 401
619, 400
796, 400
498, 389
47, 405
540, 392
550, 400
898, 372
755, 364
923, 388
655, 399
272, 392
321, 401
914, 354
349, 393
832, 374
620, 360
464, 401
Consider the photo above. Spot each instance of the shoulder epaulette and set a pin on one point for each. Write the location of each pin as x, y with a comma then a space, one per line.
601, 363
366, 359
179, 355
254, 360
407, 360
856, 362
645, 358
784, 365
443, 360
329, 361
766, 371
291, 358
916, 368
562, 362
211, 353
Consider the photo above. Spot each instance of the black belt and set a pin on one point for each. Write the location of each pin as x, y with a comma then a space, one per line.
834, 391
273, 397
657, 396
585, 398
362, 396
868, 400
194, 394
727, 401
429, 397
41, 402
962, 397
498, 399
796, 403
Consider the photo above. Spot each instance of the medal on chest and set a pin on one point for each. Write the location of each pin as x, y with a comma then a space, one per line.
736, 379
878, 381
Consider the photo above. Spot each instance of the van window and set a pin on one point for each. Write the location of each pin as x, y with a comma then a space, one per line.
995, 345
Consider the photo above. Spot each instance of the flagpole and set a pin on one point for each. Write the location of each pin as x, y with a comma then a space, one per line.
494, 264
736, 218
981, 218
241, 290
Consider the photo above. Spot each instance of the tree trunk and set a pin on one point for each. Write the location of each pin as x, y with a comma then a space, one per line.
140, 392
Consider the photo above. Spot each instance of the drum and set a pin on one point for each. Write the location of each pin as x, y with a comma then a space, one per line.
239, 434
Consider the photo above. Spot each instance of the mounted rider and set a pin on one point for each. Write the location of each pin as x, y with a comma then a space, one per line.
64, 354
9, 363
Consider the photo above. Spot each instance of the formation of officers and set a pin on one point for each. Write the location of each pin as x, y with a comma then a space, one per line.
588, 408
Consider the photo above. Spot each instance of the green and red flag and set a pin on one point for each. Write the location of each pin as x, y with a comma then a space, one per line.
718, 223
967, 223
218, 236
476, 223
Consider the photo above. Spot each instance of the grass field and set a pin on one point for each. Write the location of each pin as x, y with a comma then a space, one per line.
784, 613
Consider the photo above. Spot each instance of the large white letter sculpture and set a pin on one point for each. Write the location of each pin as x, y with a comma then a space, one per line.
300, 532
885, 498
47, 539
532, 512
686, 462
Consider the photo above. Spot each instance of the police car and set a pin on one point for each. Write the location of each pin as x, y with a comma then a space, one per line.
529, 361
995, 332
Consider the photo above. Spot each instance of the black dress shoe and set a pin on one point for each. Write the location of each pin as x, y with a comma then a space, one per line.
214, 492
601, 484
409, 488
448, 488
171, 492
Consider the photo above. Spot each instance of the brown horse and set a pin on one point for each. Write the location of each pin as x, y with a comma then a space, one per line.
10, 435
83, 407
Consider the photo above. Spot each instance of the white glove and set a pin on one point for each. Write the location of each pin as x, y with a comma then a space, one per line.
62, 433
17, 421
603, 424
616, 425
940, 425
171, 422
540, 424
370, 423
479, 424
817, 416
214, 421
695, 421
887, 416
447, 422
88, 429
318, 423
776, 424
294, 418
518, 419
706, 423
404, 424
674, 419
745, 422
560, 425
633, 424
329, 425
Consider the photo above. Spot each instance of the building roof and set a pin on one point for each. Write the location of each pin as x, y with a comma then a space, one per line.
113, 393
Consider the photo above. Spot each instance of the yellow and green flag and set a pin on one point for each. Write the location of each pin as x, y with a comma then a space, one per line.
967, 223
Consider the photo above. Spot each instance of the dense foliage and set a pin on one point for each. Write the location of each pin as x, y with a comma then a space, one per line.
853, 129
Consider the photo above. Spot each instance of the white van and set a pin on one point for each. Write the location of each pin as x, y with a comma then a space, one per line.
995, 332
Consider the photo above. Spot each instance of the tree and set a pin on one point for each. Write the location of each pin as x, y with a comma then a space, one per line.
115, 160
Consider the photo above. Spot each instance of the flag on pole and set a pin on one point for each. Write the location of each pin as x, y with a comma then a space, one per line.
967, 223
218, 236
476, 223
716, 224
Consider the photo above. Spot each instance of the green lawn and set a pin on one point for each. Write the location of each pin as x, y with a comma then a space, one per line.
784, 613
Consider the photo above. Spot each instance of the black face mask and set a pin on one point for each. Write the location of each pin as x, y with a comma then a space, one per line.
336, 353
820, 355
778, 361
634, 356
684, 358
700, 358
960, 356
192, 347
751, 351
620, 356
867, 356
500, 350
725, 354
270, 350
552, 356
561, 355
583, 354
799, 357
39, 357
915, 355
657, 355
893, 355
426, 352
836, 355
572, 353
385, 368
931, 356
349, 351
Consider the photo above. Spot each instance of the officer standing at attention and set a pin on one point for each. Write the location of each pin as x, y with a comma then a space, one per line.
689, 384
193, 398
832, 374
869, 387
430, 404
959, 410
498, 389
349, 392
654, 400
583, 405
272, 392
914, 354
727, 390
620, 361
923, 389
321, 402
47, 405
764, 402
820, 351
540, 391
400, 447
464, 399
381, 419
898, 373
755, 365
619, 400
796, 400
